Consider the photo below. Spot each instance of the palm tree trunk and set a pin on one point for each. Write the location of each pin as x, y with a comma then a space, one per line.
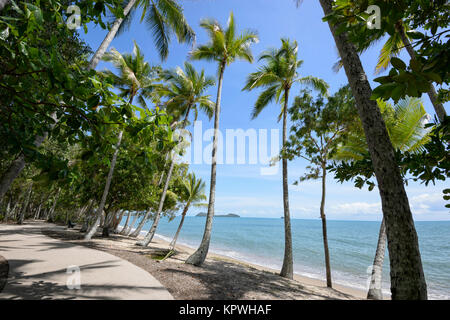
324, 228
110, 36
52, 210
151, 233
130, 227
87, 216
199, 256
407, 278
175, 238
94, 227
38, 211
117, 221
19, 163
8, 208
107, 223
438, 107
375, 292
27, 201
126, 223
141, 224
287, 270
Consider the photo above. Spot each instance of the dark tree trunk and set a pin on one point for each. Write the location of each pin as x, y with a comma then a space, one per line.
407, 278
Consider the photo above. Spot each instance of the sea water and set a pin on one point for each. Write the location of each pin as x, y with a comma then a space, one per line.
352, 246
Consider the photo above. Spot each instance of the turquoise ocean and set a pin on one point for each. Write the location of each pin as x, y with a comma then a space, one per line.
352, 247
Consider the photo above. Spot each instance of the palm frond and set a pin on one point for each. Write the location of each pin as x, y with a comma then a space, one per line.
264, 99
316, 83
156, 24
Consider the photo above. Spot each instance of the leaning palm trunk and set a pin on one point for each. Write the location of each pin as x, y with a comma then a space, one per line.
130, 227
94, 227
51, 214
110, 36
324, 229
375, 292
8, 208
117, 221
87, 216
438, 107
287, 269
19, 163
38, 211
199, 256
126, 223
151, 233
27, 201
175, 238
407, 278
108, 222
137, 232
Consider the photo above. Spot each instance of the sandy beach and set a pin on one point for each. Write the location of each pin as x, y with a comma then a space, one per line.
219, 278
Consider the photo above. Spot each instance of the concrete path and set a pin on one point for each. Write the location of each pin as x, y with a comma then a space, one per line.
44, 268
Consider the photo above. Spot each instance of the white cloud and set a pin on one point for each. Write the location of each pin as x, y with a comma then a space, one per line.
356, 208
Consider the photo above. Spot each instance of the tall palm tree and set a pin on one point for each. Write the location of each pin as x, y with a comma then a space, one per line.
162, 17
277, 77
184, 92
135, 78
407, 277
224, 47
405, 124
193, 193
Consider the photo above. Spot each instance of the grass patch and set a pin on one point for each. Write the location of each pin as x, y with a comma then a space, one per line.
160, 254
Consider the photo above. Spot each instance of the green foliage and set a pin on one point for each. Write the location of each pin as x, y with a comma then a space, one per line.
44, 84
422, 150
431, 64
318, 128
184, 91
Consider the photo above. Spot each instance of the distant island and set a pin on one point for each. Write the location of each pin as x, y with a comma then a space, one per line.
229, 215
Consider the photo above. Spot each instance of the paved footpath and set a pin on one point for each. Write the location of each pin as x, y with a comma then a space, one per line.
45, 268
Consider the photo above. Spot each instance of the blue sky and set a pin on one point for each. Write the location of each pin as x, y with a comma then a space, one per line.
240, 188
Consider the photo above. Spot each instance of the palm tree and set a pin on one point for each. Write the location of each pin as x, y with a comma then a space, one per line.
405, 125
224, 47
277, 77
135, 79
162, 18
193, 193
407, 277
185, 92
